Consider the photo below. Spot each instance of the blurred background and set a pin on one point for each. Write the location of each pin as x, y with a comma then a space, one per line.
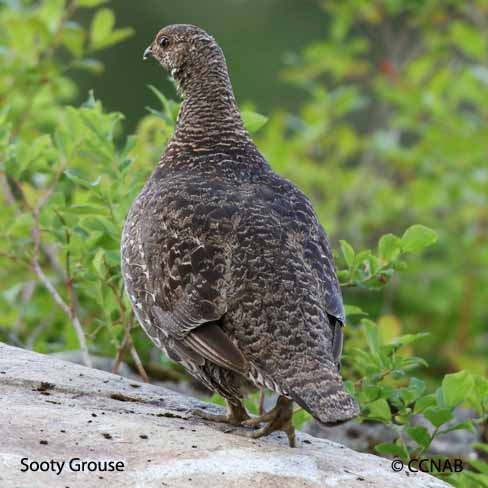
256, 36
392, 97
377, 110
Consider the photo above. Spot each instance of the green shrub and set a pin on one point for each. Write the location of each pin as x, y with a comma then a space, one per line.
390, 145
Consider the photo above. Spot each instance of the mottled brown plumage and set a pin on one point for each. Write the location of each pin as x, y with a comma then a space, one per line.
225, 262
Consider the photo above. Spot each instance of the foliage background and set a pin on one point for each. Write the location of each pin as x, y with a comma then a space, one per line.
377, 110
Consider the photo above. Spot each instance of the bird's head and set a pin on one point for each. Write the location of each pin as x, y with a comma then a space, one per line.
185, 51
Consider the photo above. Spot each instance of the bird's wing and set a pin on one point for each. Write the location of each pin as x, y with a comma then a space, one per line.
333, 301
317, 255
187, 265
299, 216
205, 338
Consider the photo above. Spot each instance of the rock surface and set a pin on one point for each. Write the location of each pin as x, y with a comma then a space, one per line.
57, 411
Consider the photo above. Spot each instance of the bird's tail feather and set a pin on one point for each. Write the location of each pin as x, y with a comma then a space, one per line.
320, 392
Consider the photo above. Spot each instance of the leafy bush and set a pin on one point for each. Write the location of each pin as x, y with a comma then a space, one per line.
67, 183
393, 134
400, 134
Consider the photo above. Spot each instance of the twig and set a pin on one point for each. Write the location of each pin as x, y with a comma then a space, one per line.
128, 342
35, 334
57, 37
69, 311
137, 360
6, 190
15, 259
119, 355
25, 296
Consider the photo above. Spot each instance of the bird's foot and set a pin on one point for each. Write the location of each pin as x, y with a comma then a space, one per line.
278, 418
236, 415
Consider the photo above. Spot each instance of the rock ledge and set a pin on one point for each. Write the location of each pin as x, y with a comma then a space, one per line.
55, 412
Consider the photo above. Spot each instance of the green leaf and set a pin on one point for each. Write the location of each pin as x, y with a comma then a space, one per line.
391, 449
102, 224
217, 399
90, 102
118, 35
369, 393
465, 425
406, 339
21, 225
348, 253
420, 435
81, 181
457, 387
417, 237
170, 107
101, 30
481, 446
399, 265
84, 210
300, 417
481, 466
479, 396
91, 65
101, 27
379, 410
74, 39
253, 121
439, 398
124, 165
468, 38
343, 275
389, 247
354, 310
372, 335
438, 416
98, 262
415, 389
361, 256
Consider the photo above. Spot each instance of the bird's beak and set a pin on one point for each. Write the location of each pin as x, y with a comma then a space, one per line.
148, 52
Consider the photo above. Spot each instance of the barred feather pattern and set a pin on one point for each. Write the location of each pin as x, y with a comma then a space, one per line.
217, 239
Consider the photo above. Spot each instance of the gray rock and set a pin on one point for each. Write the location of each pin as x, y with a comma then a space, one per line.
358, 436
99, 362
53, 410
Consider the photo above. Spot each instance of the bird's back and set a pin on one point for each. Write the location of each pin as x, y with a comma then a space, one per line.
279, 285
226, 264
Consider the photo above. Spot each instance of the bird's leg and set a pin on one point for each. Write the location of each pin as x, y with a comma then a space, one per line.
236, 414
279, 418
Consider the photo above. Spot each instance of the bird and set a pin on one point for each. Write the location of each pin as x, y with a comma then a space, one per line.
225, 263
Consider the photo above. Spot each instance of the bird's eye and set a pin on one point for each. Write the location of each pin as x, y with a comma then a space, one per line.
163, 42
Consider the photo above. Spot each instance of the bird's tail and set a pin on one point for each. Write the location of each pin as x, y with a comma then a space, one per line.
321, 393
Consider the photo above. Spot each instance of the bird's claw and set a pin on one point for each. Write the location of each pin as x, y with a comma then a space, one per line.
278, 418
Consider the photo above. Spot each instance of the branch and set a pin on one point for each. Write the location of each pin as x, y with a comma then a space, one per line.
6, 190
137, 360
128, 342
69, 311
119, 355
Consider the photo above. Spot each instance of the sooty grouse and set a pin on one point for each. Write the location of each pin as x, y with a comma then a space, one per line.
225, 263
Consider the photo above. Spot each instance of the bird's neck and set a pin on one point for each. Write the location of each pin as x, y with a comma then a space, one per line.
209, 120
